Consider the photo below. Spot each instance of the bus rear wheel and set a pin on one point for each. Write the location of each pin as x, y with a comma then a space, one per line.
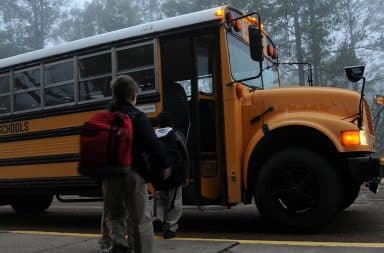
298, 188
31, 204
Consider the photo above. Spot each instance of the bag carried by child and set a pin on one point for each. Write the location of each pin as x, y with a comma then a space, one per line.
106, 145
179, 163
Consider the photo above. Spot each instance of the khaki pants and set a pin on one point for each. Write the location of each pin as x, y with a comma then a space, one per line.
164, 212
127, 211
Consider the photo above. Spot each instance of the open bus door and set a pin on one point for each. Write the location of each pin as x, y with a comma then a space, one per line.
190, 93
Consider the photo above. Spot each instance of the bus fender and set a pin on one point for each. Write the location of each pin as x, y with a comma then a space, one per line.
329, 126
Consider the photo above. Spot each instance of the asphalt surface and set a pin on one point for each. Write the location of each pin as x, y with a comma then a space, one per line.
73, 227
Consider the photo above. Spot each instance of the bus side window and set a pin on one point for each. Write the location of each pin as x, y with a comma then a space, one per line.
27, 89
5, 89
95, 75
59, 83
142, 68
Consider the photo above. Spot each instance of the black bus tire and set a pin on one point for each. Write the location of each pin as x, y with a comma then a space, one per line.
298, 188
350, 193
32, 204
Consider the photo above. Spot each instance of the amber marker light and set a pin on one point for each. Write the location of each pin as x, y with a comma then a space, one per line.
252, 20
354, 137
219, 13
349, 138
239, 90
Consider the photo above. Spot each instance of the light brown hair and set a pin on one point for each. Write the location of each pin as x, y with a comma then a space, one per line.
124, 89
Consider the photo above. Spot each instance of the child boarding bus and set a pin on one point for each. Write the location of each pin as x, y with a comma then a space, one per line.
301, 153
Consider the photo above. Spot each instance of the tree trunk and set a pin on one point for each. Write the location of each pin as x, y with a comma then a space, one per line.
298, 39
315, 44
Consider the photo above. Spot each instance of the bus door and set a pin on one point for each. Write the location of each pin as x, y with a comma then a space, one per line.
190, 93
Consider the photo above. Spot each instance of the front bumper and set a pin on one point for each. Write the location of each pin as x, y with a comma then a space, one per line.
367, 170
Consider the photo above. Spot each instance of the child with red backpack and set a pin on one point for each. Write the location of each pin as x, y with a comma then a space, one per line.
112, 148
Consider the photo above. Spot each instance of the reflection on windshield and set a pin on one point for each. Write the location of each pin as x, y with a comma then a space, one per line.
242, 66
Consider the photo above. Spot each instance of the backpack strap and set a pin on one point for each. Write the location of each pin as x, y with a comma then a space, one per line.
183, 152
114, 139
172, 206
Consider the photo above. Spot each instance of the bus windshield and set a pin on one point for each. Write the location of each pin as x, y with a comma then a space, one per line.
242, 66
270, 74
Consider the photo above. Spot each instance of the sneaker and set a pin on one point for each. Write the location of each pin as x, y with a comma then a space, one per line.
168, 234
157, 225
120, 249
105, 247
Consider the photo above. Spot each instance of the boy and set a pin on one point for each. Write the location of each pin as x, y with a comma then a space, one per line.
168, 202
126, 207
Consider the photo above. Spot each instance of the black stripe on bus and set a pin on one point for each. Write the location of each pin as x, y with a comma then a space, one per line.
142, 99
39, 160
44, 180
52, 133
41, 134
75, 184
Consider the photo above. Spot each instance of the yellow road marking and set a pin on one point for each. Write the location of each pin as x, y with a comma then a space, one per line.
291, 243
53, 233
259, 242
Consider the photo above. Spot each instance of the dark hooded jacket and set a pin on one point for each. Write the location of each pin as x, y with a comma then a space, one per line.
144, 141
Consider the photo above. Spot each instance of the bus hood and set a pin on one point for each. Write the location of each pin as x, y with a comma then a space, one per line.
333, 101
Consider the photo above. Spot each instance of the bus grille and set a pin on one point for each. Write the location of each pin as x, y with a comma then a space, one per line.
369, 117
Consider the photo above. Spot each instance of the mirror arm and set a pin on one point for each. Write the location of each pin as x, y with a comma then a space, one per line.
247, 15
310, 80
360, 120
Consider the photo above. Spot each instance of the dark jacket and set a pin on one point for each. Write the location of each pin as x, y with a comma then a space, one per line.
168, 138
177, 155
144, 141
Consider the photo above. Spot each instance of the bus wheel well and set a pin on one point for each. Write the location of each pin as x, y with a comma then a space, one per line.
284, 138
31, 203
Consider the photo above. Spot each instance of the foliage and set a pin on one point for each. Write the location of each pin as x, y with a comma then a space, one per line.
97, 17
26, 25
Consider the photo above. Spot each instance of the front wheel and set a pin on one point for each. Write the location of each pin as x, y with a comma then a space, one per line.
298, 188
32, 204
350, 194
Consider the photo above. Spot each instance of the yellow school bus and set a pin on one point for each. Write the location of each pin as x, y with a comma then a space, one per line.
301, 153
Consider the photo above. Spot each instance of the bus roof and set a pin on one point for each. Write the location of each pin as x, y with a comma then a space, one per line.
129, 32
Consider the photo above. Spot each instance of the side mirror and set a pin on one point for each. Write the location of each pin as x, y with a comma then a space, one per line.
255, 43
354, 73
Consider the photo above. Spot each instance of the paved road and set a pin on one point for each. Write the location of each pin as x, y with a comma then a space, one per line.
73, 227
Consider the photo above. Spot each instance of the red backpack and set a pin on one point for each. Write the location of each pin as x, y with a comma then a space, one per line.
106, 145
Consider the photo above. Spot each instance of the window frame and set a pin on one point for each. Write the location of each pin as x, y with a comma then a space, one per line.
79, 79
146, 67
9, 75
76, 57
15, 72
62, 82
52, 85
39, 89
91, 55
7, 94
9, 112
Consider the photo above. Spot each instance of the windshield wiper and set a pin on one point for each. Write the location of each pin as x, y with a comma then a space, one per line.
246, 79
